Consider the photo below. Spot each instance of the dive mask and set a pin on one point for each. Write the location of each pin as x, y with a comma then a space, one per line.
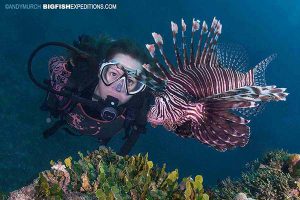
112, 71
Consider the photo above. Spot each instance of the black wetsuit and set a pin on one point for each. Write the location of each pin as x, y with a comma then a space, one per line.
81, 118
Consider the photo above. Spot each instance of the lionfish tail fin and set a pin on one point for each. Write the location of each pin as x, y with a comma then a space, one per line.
260, 69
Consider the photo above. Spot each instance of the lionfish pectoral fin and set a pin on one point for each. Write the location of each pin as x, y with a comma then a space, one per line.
254, 98
212, 123
184, 130
253, 94
153, 125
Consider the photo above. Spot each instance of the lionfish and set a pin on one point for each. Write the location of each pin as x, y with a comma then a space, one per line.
205, 95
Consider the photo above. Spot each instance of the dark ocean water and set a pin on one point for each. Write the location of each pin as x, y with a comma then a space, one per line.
261, 27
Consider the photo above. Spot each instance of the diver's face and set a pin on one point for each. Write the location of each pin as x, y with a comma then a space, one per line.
118, 89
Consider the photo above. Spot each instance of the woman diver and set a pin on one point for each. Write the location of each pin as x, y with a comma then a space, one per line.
110, 77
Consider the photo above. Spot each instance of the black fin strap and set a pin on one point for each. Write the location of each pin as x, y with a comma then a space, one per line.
104, 141
52, 130
71, 133
130, 142
126, 131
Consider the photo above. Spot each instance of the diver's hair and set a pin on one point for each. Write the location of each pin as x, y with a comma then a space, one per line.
104, 47
128, 47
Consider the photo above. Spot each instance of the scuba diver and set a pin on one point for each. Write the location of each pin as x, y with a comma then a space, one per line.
106, 77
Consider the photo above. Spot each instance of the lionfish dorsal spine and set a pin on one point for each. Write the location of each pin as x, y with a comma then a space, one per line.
183, 29
203, 31
218, 30
195, 27
151, 49
148, 69
204, 56
211, 40
210, 32
159, 41
174, 28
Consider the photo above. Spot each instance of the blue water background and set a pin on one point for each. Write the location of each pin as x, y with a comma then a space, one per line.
262, 27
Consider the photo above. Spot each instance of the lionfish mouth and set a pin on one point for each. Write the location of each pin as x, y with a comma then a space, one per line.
170, 125
155, 120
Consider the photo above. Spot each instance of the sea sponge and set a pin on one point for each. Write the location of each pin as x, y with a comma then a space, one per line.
241, 196
294, 159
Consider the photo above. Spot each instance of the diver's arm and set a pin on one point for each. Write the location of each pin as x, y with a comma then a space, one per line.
139, 125
131, 140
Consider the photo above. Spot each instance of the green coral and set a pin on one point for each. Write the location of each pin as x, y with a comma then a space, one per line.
267, 178
44, 189
103, 174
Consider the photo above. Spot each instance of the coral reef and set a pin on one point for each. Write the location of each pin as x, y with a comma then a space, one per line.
103, 174
275, 176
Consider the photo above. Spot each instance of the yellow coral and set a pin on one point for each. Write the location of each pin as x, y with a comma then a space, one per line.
52, 162
188, 190
173, 176
68, 162
205, 197
150, 164
198, 182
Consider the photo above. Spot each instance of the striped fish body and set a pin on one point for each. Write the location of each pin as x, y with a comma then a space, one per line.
185, 109
200, 94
